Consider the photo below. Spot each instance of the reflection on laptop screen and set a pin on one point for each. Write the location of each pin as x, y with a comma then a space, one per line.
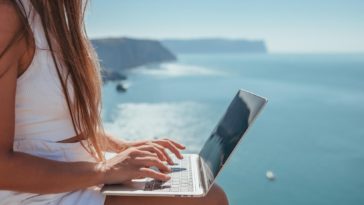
231, 128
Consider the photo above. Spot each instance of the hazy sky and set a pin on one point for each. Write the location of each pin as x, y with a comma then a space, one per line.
286, 25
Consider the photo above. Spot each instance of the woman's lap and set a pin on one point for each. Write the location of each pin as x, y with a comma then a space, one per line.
215, 196
89, 196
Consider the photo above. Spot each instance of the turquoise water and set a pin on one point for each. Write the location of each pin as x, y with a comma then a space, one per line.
311, 134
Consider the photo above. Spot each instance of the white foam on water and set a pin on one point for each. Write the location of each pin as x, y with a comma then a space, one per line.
182, 121
177, 70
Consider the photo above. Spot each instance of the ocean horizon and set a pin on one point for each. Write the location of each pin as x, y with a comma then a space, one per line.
310, 135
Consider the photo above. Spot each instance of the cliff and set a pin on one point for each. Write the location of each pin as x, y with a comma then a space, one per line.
215, 46
117, 54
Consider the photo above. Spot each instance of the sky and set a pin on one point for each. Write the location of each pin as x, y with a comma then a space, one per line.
287, 26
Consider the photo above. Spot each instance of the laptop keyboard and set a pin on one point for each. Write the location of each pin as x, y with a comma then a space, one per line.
181, 178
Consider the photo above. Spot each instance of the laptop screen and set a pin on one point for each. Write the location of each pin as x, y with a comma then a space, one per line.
231, 128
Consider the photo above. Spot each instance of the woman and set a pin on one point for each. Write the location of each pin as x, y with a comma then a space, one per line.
51, 137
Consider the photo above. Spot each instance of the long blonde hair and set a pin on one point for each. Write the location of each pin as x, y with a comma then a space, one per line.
63, 23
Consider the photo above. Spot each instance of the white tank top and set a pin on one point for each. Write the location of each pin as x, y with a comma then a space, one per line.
41, 110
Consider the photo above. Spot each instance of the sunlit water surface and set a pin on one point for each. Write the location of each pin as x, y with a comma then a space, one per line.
311, 134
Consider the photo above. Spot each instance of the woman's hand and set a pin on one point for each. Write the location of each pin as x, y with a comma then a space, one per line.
133, 163
159, 147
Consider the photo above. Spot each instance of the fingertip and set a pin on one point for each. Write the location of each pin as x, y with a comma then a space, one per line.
170, 162
164, 177
167, 171
181, 147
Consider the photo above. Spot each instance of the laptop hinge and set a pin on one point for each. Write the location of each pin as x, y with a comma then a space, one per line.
202, 174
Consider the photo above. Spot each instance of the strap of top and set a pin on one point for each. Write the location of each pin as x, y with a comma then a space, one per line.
34, 22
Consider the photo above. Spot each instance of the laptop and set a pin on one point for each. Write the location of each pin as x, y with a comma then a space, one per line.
194, 175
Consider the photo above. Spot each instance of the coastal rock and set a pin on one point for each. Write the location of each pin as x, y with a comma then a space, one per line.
111, 75
215, 45
118, 54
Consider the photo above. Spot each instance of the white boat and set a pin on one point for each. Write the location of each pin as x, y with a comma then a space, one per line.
270, 175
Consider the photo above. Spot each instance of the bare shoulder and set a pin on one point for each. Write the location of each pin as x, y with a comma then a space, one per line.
10, 52
10, 27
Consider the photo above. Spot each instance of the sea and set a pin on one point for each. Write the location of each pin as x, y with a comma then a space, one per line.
310, 135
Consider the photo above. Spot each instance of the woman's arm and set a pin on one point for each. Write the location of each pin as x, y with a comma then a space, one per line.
114, 144
26, 173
